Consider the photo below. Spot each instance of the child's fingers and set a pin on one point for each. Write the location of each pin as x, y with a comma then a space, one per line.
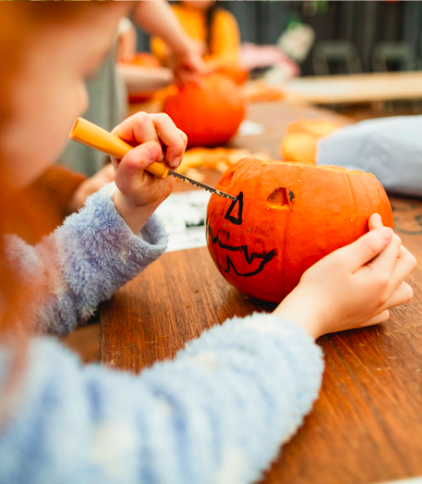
138, 128
142, 156
384, 263
379, 318
405, 263
171, 137
365, 248
375, 221
401, 295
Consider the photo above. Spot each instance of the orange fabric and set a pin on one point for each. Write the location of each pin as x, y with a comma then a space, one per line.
225, 38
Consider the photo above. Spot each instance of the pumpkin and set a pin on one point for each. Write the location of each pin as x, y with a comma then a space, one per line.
209, 112
287, 216
301, 138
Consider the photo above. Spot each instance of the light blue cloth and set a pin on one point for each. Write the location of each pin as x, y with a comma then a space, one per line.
390, 148
217, 413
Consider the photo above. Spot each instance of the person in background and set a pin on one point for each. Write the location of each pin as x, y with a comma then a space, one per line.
107, 92
80, 170
221, 409
214, 29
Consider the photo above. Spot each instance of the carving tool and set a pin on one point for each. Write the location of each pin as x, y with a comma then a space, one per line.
93, 136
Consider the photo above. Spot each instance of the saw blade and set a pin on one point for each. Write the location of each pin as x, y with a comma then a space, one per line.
201, 185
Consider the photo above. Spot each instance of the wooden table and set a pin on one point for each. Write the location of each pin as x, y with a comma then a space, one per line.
357, 88
367, 424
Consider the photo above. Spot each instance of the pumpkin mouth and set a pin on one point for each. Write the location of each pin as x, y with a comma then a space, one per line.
238, 256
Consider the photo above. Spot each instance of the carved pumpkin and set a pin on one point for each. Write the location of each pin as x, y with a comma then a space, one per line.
287, 216
209, 113
301, 139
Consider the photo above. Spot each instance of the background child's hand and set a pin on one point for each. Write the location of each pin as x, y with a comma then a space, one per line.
155, 138
353, 286
188, 65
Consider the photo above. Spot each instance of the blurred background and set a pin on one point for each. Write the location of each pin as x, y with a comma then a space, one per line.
350, 36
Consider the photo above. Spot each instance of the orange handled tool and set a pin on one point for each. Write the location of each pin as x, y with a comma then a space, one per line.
93, 136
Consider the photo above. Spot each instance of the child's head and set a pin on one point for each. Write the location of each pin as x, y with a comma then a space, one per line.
46, 51
55, 47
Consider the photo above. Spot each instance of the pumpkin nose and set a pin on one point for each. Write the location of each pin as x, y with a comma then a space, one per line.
234, 213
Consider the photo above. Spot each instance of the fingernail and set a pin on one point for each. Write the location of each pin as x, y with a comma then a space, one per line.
176, 161
152, 151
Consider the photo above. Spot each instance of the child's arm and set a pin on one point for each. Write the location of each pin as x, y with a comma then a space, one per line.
98, 249
157, 18
219, 411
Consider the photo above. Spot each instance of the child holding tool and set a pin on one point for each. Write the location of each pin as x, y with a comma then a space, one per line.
189, 420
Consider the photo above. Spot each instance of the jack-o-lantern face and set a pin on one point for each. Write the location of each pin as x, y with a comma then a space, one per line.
286, 217
238, 258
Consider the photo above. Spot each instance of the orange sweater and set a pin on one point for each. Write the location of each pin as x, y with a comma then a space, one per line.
225, 38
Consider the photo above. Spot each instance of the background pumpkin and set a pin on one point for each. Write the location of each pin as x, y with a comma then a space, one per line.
301, 138
209, 113
287, 217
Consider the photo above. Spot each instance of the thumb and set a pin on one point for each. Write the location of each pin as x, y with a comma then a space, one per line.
375, 221
143, 155
366, 248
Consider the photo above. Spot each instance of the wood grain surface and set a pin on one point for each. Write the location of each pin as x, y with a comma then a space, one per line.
366, 427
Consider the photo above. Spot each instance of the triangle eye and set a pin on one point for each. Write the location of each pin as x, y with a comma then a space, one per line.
234, 213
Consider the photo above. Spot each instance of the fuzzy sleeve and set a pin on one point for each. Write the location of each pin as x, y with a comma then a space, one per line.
84, 262
217, 413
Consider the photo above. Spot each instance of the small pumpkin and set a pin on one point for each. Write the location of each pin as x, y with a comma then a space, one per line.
301, 138
287, 216
209, 113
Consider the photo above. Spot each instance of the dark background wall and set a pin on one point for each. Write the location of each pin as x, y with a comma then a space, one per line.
364, 23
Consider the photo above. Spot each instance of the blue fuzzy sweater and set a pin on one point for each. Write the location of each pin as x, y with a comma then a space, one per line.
217, 413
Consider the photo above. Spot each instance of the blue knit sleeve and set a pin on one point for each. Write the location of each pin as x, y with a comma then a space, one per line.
84, 261
217, 413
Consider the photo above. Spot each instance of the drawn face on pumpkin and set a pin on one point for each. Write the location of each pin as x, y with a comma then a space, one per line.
251, 263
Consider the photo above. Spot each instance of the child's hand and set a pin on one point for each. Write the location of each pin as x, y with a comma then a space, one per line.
155, 138
353, 286
188, 65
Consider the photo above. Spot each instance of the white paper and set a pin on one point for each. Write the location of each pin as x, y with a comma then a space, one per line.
184, 215
248, 128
